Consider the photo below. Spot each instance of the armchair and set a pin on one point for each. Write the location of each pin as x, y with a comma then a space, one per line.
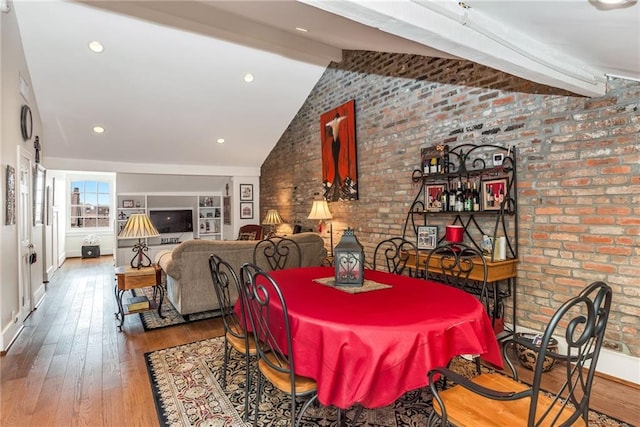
250, 232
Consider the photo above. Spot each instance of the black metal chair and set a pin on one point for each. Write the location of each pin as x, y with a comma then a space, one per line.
398, 255
495, 399
461, 266
277, 253
276, 362
227, 287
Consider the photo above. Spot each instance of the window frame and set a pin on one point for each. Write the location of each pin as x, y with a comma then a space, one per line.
104, 178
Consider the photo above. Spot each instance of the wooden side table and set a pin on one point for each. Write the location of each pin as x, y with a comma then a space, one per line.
128, 278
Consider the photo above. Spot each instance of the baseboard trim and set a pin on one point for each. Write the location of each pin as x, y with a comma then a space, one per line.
12, 332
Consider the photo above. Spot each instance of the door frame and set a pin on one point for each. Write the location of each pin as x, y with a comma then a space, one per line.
25, 235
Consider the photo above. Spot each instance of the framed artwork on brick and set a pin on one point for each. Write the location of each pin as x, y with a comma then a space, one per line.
339, 162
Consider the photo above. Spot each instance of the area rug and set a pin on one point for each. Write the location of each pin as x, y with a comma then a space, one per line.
187, 391
151, 320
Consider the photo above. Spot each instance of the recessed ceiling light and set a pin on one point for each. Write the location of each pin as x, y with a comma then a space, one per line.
302, 30
248, 77
96, 46
98, 129
220, 140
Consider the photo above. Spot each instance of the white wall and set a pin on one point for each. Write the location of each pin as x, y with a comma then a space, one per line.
13, 65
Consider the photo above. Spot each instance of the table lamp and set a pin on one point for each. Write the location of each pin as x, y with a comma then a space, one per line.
272, 218
139, 226
320, 211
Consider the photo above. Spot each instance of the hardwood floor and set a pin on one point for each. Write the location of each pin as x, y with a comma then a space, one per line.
71, 367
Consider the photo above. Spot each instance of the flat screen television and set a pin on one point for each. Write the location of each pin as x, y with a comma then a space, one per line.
172, 220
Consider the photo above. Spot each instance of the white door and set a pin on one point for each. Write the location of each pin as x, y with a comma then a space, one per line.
24, 233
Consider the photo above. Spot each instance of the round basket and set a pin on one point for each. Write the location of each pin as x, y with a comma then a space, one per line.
529, 357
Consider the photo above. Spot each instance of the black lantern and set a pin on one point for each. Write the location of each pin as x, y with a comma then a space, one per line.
349, 260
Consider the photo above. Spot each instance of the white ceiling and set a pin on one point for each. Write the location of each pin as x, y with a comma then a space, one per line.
170, 81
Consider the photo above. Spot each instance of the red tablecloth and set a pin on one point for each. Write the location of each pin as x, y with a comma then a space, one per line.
370, 348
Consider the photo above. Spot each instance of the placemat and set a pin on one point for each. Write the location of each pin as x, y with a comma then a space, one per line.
367, 286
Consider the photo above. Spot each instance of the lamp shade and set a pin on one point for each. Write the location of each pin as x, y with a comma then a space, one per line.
272, 218
320, 210
138, 226
454, 233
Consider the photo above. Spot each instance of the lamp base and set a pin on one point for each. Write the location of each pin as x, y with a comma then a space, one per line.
140, 259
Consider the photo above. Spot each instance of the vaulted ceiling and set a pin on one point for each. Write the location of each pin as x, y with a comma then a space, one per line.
170, 83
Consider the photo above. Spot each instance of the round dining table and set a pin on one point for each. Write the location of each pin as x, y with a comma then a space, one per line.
371, 345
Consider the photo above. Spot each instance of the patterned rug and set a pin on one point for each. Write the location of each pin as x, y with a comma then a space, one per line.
187, 392
151, 320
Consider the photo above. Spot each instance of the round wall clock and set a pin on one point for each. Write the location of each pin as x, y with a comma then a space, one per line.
26, 122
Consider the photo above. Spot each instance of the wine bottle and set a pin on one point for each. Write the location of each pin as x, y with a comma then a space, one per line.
459, 198
468, 202
501, 195
445, 199
490, 198
475, 197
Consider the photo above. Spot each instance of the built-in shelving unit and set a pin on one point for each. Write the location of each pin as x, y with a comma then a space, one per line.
207, 219
210, 217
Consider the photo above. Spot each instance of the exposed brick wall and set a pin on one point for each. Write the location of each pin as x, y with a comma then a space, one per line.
578, 169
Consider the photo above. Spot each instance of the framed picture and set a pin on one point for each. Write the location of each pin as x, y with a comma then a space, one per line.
427, 236
493, 193
127, 203
433, 197
38, 194
246, 210
246, 192
10, 196
226, 210
338, 147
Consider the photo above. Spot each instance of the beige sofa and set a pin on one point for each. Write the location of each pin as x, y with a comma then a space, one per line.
189, 286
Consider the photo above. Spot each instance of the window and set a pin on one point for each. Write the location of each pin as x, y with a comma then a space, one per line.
89, 204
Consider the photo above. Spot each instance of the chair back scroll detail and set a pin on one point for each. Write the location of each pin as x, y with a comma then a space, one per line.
453, 263
394, 254
277, 253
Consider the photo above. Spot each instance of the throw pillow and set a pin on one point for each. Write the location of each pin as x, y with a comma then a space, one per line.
247, 236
